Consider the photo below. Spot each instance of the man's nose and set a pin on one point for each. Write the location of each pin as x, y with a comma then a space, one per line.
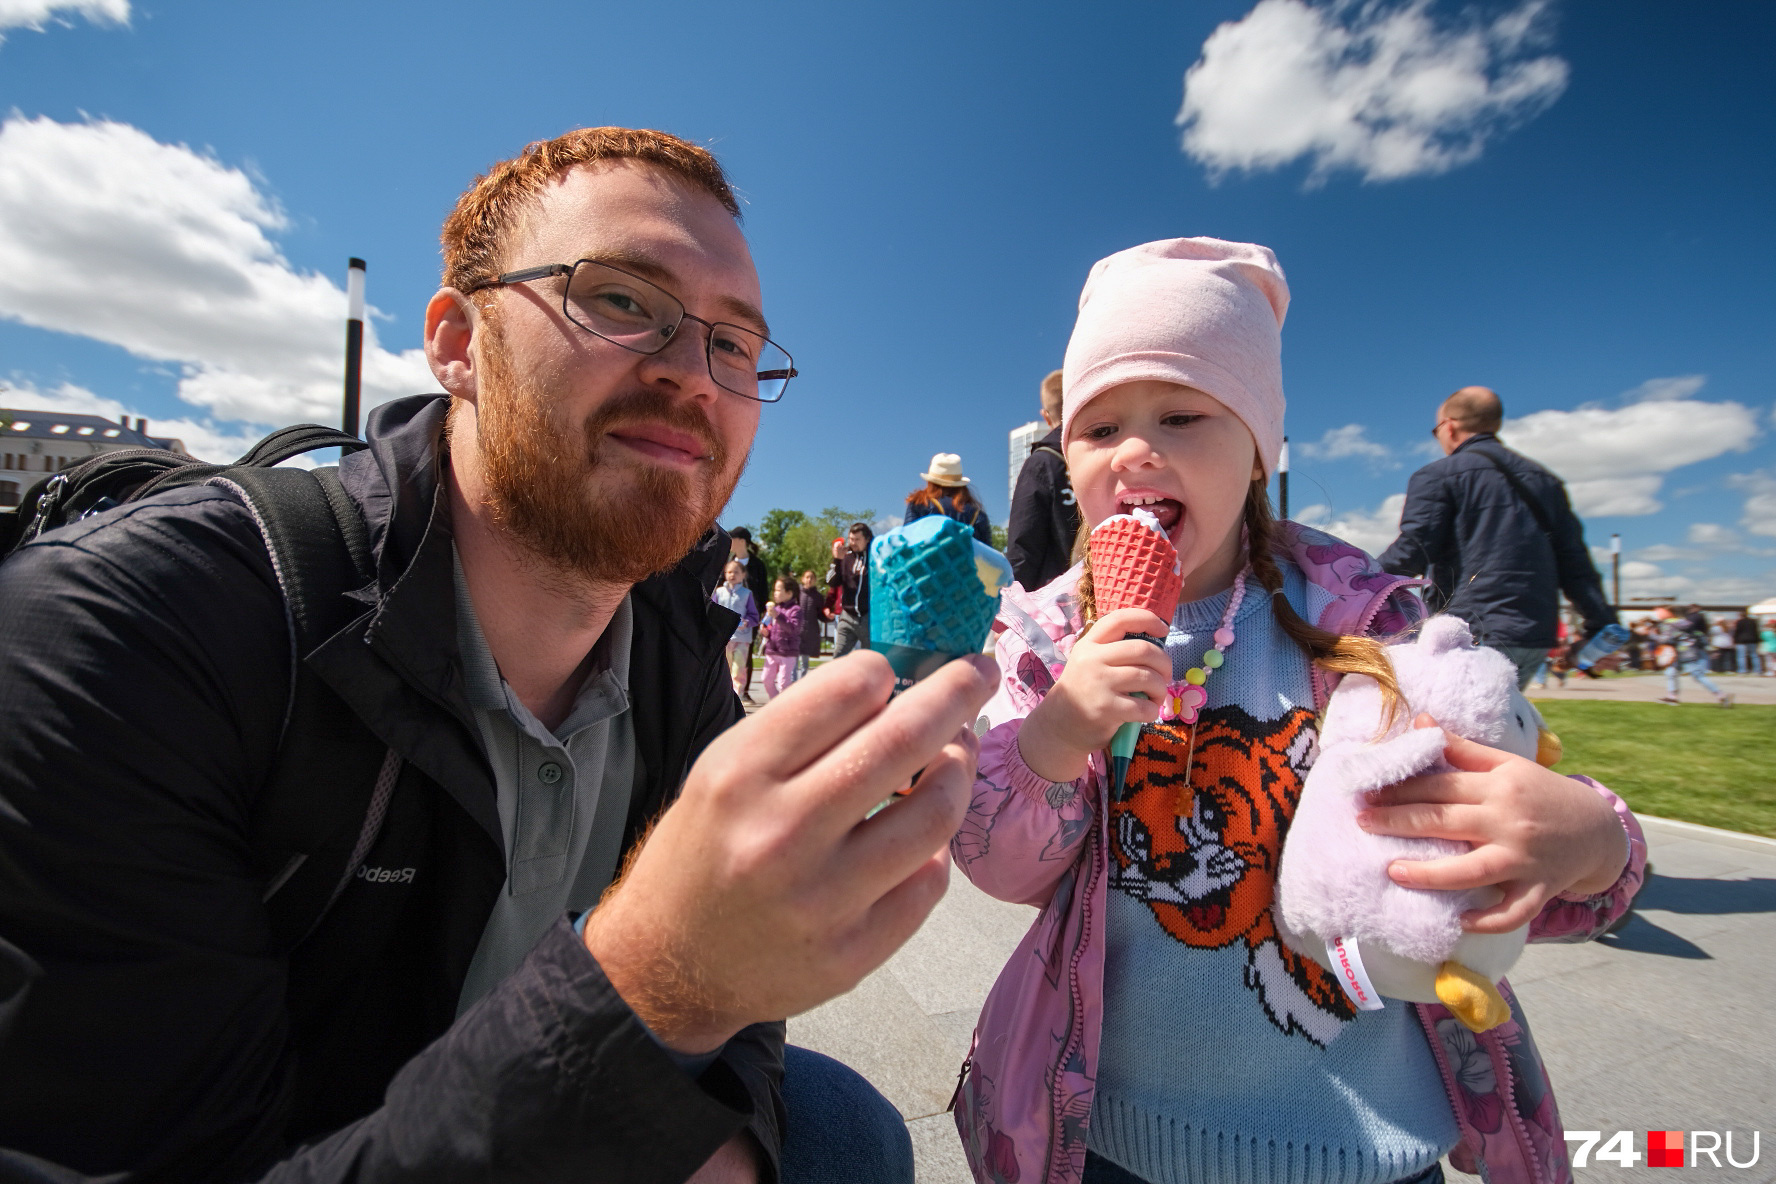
683, 362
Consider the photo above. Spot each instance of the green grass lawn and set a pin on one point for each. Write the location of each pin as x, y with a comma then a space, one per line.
1695, 762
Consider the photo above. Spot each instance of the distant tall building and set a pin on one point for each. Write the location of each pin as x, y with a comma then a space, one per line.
1023, 438
33, 443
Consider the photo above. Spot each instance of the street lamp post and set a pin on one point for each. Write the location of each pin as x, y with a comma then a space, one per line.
1283, 479
354, 343
1616, 570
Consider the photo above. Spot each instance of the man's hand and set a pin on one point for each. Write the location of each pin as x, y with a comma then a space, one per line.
1535, 833
838, 548
763, 891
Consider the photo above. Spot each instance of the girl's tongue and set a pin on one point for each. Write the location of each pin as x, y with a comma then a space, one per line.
1167, 511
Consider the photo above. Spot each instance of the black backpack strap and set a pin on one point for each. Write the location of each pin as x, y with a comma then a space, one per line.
1523, 494
323, 803
294, 440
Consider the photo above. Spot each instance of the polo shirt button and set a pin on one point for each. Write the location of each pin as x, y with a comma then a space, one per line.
549, 773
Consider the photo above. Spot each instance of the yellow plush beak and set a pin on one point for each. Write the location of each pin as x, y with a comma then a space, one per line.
1547, 748
1472, 997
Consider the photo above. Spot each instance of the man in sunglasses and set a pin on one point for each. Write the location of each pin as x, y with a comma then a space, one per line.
536, 651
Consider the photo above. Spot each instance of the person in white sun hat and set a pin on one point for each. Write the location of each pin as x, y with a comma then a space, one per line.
946, 492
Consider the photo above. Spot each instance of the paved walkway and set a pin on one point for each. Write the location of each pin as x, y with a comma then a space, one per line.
1646, 688
1664, 1026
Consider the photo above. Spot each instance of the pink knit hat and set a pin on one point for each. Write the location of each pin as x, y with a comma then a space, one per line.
1199, 312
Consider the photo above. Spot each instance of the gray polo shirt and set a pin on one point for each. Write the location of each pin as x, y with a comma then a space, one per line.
563, 795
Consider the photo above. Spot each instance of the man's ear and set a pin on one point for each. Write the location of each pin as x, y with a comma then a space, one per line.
450, 324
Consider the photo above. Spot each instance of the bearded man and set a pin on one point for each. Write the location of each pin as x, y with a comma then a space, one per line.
533, 644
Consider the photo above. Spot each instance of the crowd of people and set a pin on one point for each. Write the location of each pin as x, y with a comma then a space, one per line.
799, 616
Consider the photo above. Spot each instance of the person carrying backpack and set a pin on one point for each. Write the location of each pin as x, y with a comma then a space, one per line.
946, 492
310, 783
1495, 534
1044, 520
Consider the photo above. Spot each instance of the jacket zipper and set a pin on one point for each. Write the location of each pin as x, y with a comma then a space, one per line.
1470, 1136
1077, 1036
962, 1075
1501, 1064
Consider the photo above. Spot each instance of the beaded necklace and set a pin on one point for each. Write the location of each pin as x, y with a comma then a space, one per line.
1185, 700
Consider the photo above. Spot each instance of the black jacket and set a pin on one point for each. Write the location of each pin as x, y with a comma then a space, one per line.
144, 673
1466, 528
1044, 520
813, 604
851, 576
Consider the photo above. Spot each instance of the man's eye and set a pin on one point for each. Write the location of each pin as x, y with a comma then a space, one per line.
732, 344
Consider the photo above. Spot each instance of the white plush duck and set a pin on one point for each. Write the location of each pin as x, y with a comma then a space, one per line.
1335, 901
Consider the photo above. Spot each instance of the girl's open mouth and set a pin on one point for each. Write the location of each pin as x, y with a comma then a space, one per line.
1169, 511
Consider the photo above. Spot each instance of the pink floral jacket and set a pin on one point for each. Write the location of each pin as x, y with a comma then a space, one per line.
1025, 1094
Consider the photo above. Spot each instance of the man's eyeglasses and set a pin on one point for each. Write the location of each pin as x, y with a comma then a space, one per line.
643, 318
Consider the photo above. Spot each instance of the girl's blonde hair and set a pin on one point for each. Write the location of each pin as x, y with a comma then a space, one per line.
1337, 653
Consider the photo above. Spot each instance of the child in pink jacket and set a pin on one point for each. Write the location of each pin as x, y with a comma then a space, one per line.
783, 636
1152, 1026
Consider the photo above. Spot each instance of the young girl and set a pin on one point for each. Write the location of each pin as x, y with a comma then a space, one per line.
1152, 1026
783, 636
733, 595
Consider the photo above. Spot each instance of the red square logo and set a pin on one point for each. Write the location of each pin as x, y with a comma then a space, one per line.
1665, 1149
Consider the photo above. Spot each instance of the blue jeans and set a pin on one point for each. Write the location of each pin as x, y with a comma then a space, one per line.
841, 1131
1696, 668
1746, 652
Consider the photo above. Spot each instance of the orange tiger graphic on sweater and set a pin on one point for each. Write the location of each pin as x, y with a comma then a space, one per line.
1203, 856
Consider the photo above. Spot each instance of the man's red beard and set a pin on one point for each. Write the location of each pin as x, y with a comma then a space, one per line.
538, 477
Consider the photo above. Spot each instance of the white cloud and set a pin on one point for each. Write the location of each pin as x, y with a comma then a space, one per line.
1657, 553
1645, 581
204, 439
1712, 534
1614, 459
1351, 442
169, 254
1760, 501
34, 14
1665, 390
1375, 87
1370, 531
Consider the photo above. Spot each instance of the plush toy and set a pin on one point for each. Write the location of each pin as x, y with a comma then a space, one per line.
1335, 901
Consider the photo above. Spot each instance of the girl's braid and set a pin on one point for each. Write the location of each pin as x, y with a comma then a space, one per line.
1336, 652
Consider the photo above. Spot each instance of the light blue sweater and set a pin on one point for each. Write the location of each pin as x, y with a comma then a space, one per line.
1226, 1059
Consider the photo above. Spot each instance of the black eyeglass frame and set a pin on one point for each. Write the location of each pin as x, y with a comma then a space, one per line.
668, 332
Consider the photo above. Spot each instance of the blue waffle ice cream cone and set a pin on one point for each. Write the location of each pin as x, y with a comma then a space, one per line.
933, 593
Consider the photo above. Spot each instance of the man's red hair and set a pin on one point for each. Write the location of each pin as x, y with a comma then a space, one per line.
476, 228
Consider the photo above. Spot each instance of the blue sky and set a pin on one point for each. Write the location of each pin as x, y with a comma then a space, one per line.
1567, 202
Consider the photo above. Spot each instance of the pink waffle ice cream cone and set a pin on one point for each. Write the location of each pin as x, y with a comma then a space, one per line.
1134, 565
